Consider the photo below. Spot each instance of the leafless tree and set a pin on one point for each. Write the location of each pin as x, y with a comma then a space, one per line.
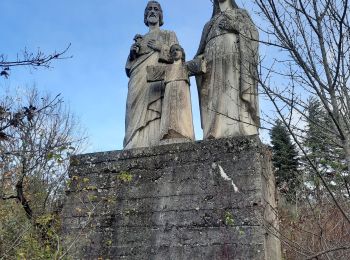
309, 42
42, 136
30, 59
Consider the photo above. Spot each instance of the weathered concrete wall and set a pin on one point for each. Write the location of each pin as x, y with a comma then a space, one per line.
208, 200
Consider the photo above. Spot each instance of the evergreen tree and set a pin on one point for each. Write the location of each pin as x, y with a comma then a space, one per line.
321, 146
285, 161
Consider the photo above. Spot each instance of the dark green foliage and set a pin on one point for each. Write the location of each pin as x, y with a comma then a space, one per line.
322, 147
285, 161
318, 132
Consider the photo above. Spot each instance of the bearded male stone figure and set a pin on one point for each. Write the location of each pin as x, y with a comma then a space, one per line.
144, 101
228, 90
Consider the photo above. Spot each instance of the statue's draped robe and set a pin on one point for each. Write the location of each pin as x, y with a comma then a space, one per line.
144, 101
228, 90
176, 121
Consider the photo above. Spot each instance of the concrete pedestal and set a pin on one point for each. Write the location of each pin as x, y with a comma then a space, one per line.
206, 200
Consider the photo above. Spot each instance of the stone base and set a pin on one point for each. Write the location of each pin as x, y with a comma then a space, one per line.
207, 200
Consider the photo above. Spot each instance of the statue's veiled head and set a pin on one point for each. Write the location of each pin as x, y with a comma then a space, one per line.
153, 13
216, 6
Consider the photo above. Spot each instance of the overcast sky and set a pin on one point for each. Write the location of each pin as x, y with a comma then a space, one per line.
93, 82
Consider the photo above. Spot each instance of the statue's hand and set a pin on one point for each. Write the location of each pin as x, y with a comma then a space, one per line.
154, 45
227, 25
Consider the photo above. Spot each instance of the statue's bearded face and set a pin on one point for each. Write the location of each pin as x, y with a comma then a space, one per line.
153, 13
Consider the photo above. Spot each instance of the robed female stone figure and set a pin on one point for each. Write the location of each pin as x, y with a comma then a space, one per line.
228, 90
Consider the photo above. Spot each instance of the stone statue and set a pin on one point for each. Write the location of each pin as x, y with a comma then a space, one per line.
144, 101
176, 122
228, 90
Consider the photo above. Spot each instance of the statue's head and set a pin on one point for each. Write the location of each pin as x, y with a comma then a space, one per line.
153, 13
216, 6
177, 52
138, 37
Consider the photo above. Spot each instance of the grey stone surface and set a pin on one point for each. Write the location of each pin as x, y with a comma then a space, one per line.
176, 123
228, 91
145, 99
206, 200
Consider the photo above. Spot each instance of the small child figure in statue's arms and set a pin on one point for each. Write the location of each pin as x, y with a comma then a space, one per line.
176, 119
136, 46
